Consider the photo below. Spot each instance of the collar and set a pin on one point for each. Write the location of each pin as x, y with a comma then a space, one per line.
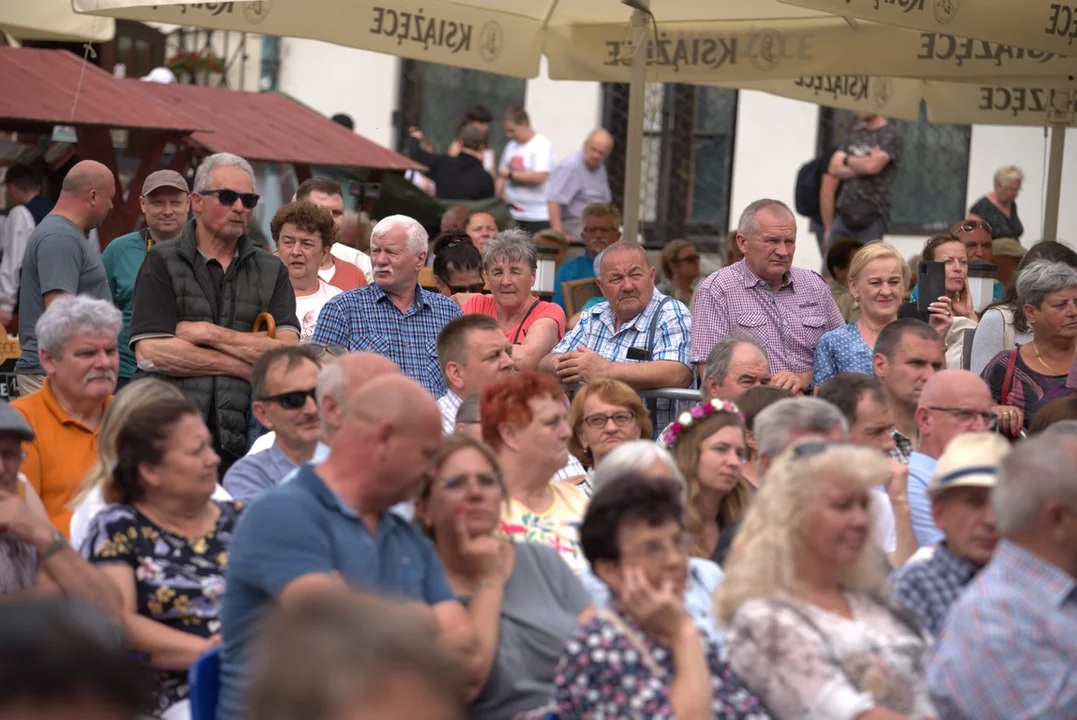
640, 322
752, 280
920, 460
57, 411
380, 295
961, 568
309, 478
451, 399
1033, 574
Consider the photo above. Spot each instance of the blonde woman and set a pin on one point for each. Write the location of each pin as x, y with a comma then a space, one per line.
808, 628
877, 284
710, 447
132, 398
998, 208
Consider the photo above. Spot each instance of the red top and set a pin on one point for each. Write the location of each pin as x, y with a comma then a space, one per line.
486, 305
348, 276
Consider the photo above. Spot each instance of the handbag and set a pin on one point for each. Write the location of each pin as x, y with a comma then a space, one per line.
1007, 381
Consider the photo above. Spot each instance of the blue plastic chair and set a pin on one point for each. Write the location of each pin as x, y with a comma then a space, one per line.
205, 681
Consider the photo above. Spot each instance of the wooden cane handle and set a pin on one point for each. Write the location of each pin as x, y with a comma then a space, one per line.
266, 321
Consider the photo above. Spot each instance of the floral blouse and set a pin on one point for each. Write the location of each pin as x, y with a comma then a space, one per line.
558, 527
602, 674
810, 664
178, 582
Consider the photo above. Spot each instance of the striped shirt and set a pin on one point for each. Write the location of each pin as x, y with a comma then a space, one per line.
366, 320
1009, 647
596, 331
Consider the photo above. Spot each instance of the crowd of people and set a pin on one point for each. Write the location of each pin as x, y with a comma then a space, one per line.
357, 492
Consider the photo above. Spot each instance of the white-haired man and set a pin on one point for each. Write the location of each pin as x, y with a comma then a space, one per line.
393, 317
197, 299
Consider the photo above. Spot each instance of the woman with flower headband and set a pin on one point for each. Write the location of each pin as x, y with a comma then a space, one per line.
710, 446
809, 627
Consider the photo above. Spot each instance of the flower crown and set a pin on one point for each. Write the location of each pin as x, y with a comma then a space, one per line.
694, 414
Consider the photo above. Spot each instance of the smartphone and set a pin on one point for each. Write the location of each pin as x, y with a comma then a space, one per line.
931, 284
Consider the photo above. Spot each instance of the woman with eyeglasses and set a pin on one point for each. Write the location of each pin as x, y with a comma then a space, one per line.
680, 270
457, 265
999, 207
541, 600
710, 447
809, 627
533, 326
604, 415
643, 656
164, 541
1026, 377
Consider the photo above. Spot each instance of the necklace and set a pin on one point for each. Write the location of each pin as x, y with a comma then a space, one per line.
1044, 362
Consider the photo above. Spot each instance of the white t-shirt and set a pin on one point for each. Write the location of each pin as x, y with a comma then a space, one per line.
355, 257
528, 202
885, 524
308, 307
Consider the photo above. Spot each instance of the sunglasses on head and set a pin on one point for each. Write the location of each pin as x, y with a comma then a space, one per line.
333, 349
228, 197
971, 225
293, 400
472, 288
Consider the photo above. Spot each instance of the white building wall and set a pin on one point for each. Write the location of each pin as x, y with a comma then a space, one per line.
564, 111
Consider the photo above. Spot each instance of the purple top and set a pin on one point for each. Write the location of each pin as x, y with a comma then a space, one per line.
575, 186
788, 322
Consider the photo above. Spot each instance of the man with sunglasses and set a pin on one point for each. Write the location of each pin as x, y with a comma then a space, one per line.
197, 299
284, 382
952, 402
978, 243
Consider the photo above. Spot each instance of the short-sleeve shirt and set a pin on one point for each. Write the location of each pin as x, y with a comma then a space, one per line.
528, 202
300, 528
842, 351
486, 305
308, 307
255, 473
788, 322
1029, 390
579, 268
557, 527
574, 186
871, 190
367, 320
1002, 226
58, 258
538, 614
123, 258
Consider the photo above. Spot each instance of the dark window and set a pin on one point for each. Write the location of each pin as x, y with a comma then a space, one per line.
929, 190
687, 160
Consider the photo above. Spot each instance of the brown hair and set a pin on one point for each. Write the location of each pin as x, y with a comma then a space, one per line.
305, 216
517, 116
734, 506
936, 241
453, 444
614, 392
669, 254
1064, 408
600, 209
324, 185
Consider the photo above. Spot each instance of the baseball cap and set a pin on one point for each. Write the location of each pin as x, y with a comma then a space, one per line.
164, 179
970, 460
1007, 247
12, 421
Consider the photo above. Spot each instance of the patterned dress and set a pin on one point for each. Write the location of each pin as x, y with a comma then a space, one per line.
557, 527
603, 674
179, 582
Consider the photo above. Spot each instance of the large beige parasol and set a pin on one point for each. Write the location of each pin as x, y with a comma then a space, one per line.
51, 20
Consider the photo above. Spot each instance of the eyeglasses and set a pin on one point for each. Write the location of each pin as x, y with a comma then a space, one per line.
455, 482
472, 288
811, 449
970, 225
293, 400
332, 349
656, 550
620, 419
607, 230
228, 197
965, 415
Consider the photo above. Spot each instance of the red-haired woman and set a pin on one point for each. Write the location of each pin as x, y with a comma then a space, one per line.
524, 419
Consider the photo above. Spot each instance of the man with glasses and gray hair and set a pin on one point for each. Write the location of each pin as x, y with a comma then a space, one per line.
197, 300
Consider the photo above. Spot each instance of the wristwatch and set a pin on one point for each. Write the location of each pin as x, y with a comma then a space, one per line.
59, 542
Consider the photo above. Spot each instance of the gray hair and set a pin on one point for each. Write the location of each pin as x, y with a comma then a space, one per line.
1007, 175
417, 236
777, 426
512, 245
746, 224
720, 358
219, 160
635, 457
1040, 278
71, 315
1034, 472
1062, 428
619, 247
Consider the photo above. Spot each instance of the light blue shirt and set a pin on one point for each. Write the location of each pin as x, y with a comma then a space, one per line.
921, 470
841, 351
579, 268
253, 474
704, 577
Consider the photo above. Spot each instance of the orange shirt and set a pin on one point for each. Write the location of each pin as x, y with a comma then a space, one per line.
347, 276
60, 457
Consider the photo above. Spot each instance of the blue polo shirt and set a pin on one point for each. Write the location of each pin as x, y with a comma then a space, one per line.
303, 527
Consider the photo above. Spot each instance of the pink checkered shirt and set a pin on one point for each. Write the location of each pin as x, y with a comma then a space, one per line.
788, 322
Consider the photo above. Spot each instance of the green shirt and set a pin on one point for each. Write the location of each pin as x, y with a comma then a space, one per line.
123, 259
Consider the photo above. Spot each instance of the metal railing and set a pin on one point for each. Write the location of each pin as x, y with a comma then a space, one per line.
679, 394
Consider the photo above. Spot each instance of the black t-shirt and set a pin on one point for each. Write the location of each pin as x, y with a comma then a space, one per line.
456, 178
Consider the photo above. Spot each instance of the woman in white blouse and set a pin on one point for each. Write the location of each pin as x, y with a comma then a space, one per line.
809, 629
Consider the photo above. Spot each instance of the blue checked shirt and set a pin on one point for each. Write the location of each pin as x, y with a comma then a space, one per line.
1009, 647
366, 320
595, 330
929, 588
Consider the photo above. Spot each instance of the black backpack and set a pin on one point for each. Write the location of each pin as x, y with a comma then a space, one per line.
809, 182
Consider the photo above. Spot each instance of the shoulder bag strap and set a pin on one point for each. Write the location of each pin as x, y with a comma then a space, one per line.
653, 328
1007, 382
520, 327
634, 640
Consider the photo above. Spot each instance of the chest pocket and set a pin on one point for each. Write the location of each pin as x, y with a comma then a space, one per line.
371, 342
816, 322
751, 320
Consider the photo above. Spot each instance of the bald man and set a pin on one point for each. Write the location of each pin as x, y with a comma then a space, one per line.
577, 181
952, 402
60, 260
332, 527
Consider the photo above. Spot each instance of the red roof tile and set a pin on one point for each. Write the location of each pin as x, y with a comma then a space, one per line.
273, 128
40, 86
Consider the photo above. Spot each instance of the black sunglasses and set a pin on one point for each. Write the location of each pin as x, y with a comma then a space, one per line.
293, 400
228, 197
472, 288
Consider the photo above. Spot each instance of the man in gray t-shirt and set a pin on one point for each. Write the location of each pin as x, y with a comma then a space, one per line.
59, 259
